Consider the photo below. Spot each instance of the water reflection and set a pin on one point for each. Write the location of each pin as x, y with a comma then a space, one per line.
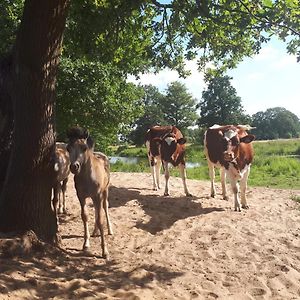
136, 160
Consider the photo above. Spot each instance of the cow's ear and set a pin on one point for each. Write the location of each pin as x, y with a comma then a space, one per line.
181, 141
247, 139
85, 134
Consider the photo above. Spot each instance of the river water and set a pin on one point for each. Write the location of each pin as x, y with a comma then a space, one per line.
136, 160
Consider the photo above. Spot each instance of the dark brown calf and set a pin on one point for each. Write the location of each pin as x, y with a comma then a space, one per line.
62, 169
229, 148
166, 144
91, 177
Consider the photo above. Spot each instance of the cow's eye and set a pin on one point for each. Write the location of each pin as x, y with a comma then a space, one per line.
234, 142
225, 144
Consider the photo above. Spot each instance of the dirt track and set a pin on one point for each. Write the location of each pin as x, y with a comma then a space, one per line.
170, 248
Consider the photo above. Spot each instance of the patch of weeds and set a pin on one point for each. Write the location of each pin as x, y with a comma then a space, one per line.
295, 198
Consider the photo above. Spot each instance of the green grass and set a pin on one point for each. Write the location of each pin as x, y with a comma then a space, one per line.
131, 151
295, 198
275, 164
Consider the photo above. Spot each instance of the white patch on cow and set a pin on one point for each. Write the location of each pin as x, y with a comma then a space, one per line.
242, 172
233, 172
215, 126
169, 140
245, 127
230, 134
236, 174
56, 167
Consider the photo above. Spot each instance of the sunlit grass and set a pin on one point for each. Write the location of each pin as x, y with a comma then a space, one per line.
295, 198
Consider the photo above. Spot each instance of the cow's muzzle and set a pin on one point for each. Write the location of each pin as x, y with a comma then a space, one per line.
228, 156
75, 167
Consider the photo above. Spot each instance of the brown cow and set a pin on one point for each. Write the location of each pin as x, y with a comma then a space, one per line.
229, 147
91, 177
166, 144
62, 170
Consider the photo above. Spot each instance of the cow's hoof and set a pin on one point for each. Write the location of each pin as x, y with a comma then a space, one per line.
166, 194
105, 256
225, 198
85, 248
189, 195
245, 206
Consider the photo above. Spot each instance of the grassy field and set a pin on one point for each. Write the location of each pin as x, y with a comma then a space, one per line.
276, 163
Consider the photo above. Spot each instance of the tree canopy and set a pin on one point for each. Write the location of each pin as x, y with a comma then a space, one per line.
104, 41
179, 106
138, 34
153, 115
275, 123
220, 103
175, 107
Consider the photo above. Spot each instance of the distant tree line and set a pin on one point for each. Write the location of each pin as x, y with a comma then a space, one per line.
219, 105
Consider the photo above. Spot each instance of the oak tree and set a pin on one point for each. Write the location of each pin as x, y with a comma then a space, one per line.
133, 36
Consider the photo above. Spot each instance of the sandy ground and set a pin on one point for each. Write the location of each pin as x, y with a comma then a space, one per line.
172, 247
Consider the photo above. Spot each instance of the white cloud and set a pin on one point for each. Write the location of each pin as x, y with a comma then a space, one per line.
256, 76
285, 61
266, 53
194, 82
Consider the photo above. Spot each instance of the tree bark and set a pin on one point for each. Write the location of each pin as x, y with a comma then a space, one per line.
25, 201
6, 116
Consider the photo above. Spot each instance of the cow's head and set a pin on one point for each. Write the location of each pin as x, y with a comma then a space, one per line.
78, 145
231, 141
170, 146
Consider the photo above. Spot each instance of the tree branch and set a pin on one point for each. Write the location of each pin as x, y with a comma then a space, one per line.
267, 21
158, 4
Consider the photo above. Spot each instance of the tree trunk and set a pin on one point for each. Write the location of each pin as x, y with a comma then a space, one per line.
25, 201
6, 117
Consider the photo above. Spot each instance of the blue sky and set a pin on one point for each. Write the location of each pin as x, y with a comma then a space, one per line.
269, 79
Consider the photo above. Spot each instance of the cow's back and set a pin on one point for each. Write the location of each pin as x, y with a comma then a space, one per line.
213, 145
156, 132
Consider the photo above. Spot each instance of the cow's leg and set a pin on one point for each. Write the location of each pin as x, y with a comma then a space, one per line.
152, 163
96, 228
105, 207
235, 190
243, 184
211, 170
55, 201
55, 198
157, 171
167, 176
98, 206
62, 204
84, 217
223, 183
182, 171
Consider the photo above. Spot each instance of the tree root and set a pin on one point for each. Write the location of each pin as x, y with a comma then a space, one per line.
13, 245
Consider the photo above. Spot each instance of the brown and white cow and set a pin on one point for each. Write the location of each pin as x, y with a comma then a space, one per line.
166, 144
229, 148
